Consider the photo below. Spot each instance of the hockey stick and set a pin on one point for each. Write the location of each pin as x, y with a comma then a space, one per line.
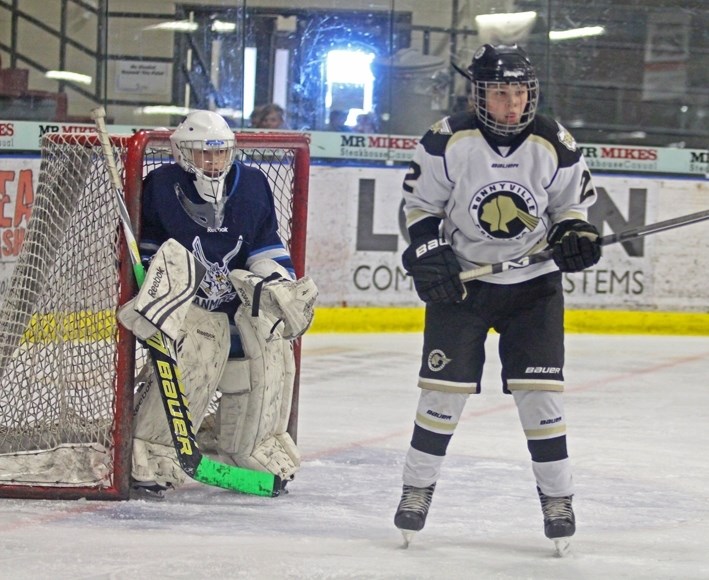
162, 353
624, 236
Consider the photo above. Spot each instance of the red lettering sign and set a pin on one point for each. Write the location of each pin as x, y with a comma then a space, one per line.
629, 153
5, 177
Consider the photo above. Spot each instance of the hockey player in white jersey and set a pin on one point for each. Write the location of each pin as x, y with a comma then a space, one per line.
493, 184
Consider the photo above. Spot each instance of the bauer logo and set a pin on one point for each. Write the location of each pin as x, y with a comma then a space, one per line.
542, 370
438, 415
173, 399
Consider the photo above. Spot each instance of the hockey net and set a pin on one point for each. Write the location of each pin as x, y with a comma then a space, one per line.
67, 369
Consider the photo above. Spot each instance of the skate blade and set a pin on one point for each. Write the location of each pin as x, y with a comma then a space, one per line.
408, 537
562, 546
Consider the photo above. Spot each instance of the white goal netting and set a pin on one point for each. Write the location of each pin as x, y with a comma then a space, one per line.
66, 367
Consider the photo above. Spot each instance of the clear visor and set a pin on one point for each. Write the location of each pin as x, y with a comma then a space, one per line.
208, 159
506, 109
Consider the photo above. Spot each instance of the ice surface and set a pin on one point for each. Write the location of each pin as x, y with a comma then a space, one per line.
638, 414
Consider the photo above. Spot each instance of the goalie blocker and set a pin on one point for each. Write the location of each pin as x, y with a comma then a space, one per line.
256, 391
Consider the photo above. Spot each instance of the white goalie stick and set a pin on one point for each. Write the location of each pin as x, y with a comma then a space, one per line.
624, 236
162, 353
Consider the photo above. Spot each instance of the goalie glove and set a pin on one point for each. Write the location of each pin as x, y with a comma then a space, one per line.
291, 302
435, 270
171, 282
574, 245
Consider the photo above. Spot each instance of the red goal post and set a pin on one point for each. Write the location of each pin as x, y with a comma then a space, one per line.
67, 369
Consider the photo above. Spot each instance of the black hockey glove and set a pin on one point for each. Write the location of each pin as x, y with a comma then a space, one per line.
435, 270
574, 245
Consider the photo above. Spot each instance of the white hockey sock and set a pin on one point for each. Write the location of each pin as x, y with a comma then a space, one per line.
421, 469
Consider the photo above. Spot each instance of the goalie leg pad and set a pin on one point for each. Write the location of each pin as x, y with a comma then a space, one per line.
277, 454
156, 462
165, 297
235, 380
202, 351
253, 420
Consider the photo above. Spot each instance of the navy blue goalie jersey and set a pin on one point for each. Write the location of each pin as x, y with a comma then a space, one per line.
246, 229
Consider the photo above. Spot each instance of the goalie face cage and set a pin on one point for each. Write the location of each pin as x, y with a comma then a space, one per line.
67, 368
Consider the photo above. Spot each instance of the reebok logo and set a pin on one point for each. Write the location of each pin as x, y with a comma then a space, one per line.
156, 282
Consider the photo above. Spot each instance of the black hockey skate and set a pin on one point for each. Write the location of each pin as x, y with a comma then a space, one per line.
412, 511
559, 520
148, 490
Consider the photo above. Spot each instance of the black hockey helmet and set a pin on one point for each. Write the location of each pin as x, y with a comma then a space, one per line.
502, 64
495, 65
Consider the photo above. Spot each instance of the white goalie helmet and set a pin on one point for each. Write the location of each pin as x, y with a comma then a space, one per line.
203, 144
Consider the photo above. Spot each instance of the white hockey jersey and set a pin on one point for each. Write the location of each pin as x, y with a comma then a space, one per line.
497, 203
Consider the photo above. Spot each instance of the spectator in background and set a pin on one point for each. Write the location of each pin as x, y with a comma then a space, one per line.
337, 121
271, 116
366, 123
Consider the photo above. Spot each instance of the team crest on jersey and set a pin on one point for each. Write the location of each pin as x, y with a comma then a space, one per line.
504, 210
216, 288
441, 126
437, 360
566, 139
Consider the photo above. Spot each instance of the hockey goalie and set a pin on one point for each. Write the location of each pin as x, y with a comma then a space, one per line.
221, 284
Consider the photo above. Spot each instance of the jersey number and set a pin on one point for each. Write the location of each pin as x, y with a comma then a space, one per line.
412, 175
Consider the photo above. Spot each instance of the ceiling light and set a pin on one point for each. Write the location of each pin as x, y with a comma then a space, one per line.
505, 19
576, 33
63, 75
221, 26
177, 26
505, 27
163, 110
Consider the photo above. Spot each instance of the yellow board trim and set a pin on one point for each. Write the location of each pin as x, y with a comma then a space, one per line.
401, 319
91, 326
84, 326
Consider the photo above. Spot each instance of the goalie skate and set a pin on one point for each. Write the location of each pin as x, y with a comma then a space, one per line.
148, 490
